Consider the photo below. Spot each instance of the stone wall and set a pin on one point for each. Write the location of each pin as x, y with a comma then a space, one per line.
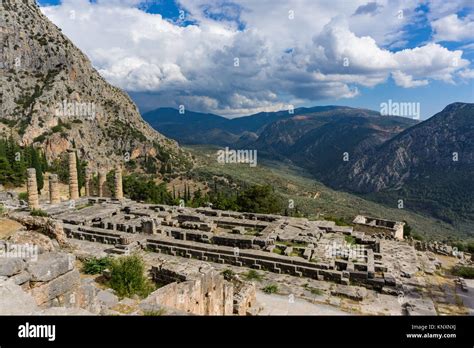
205, 293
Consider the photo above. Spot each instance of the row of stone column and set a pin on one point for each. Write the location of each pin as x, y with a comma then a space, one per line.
54, 197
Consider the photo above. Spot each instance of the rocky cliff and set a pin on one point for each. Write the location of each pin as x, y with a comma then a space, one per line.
442, 143
53, 98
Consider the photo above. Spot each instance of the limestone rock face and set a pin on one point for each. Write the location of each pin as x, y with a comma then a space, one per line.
427, 150
43, 242
50, 227
53, 98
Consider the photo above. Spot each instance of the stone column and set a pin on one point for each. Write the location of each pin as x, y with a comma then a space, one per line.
73, 184
32, 188
118, 183
88, 181
53, 189
102, 181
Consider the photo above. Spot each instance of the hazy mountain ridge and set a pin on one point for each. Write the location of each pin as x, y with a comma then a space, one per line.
41, 71
194, 128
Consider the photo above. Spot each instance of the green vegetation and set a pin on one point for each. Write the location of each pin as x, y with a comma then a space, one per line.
60, 126
140, 188
315, 291
96, 265
38, 212
23, 196
259, 199
464, 246
14, 160
270, 289
350, 240
228, 274
154, 313
255, 199
463, 271
277, 250
128, 278
338, 221
253, 275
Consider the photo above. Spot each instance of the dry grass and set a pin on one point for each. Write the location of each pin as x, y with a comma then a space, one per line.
8, 227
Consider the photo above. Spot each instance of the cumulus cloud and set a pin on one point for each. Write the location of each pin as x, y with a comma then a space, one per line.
467, 74
453, 28
244, 56
406, 81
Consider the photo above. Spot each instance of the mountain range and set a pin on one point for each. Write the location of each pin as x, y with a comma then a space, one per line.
424, 166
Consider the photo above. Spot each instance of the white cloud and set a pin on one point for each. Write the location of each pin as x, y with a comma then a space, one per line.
406, 81
467, 74
326, 51
453, 28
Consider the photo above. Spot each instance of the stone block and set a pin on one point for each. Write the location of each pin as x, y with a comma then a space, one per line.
59, 286
50, 265
21, 278
10, 266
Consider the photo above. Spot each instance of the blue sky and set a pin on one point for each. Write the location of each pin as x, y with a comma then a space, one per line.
237, 57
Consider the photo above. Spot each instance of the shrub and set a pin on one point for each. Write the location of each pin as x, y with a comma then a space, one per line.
23, 196
228, 274
314, 291
38, 212
270, 289
463, 271
253, 275
417, 236
350, 239
96, 265
127, 277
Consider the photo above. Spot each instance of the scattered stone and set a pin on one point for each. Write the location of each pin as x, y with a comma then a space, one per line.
107, 298
352, 292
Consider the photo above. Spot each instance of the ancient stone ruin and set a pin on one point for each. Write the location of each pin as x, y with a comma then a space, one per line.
368, 256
